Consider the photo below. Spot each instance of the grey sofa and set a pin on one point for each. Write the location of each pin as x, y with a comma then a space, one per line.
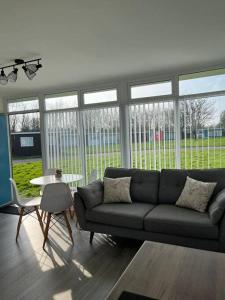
153, 215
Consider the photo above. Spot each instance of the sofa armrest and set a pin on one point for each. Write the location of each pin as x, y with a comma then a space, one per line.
80, 210
92, 194
222, 234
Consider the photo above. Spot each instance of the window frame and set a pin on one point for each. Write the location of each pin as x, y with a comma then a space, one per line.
22, 111
149, 97
103, 88
55, 95
202, 93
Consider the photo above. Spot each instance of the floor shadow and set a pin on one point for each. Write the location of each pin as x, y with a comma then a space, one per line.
62, 271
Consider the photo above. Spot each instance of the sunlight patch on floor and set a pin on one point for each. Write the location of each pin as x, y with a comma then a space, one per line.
67, 295
82, 269
55, 248
48, 262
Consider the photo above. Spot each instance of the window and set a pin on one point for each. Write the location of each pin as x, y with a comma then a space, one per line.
61, 101
152, 135
23, 105
203, 82
63, 141
159, 128
102, 139
100, 97
151, 90
26, 141
25, 122
202, 127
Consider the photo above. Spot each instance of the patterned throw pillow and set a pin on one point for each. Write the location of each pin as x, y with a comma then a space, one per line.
196, 194
117, 190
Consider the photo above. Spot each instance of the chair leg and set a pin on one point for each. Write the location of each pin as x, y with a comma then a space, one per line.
19, 222
78, 225
68, 226
39, 219
71, 213
91, 236
45, 216
46, 229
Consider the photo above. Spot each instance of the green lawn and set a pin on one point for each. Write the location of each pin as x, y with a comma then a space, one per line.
195, 158
217, 142
23, 173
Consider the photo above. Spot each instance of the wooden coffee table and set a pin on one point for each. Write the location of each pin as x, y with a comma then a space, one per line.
169, 272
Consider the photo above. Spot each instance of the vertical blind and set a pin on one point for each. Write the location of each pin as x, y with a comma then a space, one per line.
101, 139
91, 138
63, 141
152, 135
202, 127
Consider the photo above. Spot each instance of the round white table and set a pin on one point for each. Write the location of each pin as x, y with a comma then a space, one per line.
66, 178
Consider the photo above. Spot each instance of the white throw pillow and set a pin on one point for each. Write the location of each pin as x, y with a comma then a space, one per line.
196, 194
117, 190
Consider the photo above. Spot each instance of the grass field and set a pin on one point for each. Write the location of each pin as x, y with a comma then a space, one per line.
143, 157
23, 173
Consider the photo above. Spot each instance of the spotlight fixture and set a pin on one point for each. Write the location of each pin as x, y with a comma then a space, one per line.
30, 68
3, 78
12, 77
34, 67
30, 74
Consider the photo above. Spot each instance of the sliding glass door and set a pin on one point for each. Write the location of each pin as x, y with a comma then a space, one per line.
26, 146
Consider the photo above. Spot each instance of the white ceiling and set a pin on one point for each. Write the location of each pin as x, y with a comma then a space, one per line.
83, 41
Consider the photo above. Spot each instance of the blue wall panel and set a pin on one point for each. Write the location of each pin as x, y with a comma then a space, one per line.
5, 188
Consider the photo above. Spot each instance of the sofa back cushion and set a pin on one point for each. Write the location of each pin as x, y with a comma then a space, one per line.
144, 184
172, 182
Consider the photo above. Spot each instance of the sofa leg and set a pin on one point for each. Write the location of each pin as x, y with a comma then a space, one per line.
91, 236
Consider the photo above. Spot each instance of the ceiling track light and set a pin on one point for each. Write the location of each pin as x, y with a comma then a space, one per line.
30, 68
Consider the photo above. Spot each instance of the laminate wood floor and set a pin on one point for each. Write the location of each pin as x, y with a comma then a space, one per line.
63, 271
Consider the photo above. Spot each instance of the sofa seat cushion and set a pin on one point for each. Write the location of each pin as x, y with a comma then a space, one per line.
170, 219
122, 214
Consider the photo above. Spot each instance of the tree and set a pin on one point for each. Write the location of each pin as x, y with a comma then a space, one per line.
12, 123
222, 120
25, 123
35, 124
196, 114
